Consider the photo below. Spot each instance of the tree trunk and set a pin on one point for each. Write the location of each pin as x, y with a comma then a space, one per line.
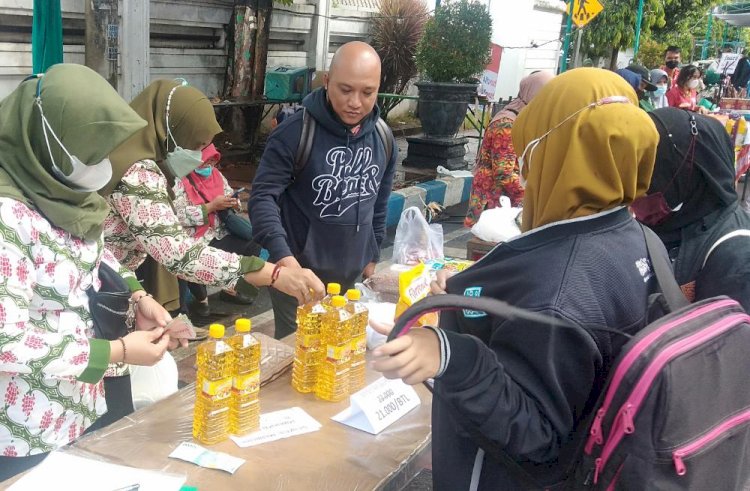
613, 58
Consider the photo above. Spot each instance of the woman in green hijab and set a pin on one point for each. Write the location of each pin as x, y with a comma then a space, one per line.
181, 122
56, 132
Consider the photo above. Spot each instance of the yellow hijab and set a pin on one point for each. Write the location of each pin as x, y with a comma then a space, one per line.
600, 159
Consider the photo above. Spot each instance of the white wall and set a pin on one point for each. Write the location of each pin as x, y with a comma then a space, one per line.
187, 37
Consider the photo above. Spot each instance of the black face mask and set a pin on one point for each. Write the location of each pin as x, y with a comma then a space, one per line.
672, 64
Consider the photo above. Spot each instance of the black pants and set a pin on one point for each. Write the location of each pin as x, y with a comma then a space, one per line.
230, 243
119, 399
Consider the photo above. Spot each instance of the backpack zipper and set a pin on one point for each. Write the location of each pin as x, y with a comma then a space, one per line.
716, 433
596, 437
623, 423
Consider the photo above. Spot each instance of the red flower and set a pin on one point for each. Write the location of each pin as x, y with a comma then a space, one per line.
22, 271
7, 357
5, 268
80, 359
10, 452
59, 422
11, 394
27, 405
46, 420
33, 342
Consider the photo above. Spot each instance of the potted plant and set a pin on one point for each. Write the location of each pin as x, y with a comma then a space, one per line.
455, 48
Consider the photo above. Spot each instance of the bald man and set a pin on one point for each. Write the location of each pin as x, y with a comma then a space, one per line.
327, 213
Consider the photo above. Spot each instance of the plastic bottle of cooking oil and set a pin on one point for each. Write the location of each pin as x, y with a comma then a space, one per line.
307, 345
359, 340
335, 353
215, 363
244, 413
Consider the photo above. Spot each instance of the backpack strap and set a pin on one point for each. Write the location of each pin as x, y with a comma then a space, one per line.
306, 139
385, 136
730, 235
663, 270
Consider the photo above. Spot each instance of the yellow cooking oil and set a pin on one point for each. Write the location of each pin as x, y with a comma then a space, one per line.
244, 409
360, 317
307, 344
333, 367
215, 360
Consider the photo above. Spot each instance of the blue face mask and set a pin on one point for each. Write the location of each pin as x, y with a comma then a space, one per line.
204, 171
660, 90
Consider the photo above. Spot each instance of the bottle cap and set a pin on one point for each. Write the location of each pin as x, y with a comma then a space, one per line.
334, 289
243, 325
338, 301
353, 294
216, 331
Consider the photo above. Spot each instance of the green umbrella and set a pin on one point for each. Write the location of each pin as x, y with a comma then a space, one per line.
46, 35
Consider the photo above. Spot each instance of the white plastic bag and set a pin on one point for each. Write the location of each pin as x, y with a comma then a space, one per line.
152, 384
498, 224
416, 240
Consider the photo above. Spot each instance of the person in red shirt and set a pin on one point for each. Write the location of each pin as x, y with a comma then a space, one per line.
672, 58
684, 93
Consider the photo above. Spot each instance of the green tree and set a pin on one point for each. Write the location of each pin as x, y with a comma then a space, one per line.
614, 28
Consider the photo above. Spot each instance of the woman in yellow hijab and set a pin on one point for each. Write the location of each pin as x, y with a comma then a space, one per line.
588, 151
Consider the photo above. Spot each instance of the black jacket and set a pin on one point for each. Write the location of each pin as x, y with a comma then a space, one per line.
530, 388
331, 217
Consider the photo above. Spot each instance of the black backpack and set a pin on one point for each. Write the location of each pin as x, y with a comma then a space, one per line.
307, 138
675, 412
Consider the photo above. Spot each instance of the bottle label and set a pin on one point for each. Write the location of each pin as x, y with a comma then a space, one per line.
219, 388
248, 340
338, 353
247, 384
359, 308
221, 347
359, 345
318, 309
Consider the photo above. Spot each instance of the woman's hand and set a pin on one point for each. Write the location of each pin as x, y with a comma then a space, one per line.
145, 348
413, 357
297, 282
150, 314
220, 203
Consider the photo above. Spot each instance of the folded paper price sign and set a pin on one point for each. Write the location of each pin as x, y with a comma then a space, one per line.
378, 405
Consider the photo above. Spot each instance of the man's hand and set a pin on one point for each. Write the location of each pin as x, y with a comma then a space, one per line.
289, 262
413, 357
301, 284
220, 203
368, 271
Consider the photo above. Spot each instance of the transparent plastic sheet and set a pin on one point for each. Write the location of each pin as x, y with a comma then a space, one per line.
335, 458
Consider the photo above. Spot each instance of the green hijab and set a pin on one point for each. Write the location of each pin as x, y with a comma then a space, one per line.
192, 121
90, 119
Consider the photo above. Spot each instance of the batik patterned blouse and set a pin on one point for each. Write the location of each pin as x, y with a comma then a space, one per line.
50, 367
143, 221
496, 172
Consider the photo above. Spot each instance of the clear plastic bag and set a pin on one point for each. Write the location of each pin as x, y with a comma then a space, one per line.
416, 240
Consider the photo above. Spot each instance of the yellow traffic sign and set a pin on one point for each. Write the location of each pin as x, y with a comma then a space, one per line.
585, 10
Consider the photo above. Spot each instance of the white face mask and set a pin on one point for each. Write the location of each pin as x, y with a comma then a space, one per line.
83, 178
693, 84
180, 161
524, 162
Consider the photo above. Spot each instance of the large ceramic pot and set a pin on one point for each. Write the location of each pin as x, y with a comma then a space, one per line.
442, 107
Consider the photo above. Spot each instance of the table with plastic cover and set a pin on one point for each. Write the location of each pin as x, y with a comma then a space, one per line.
336, 457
